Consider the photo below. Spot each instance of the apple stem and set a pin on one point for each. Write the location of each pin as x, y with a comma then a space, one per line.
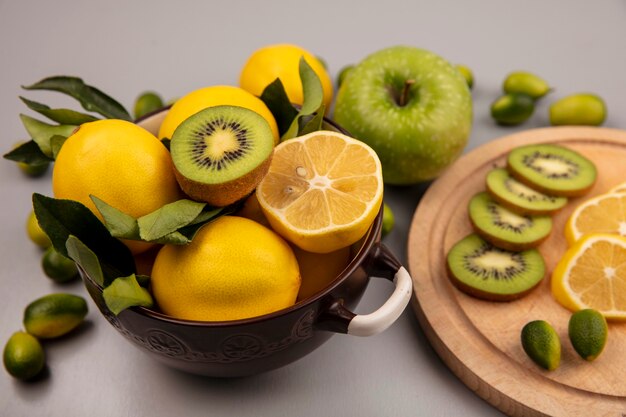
404, 96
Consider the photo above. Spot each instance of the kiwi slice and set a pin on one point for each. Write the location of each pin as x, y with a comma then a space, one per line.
504, 228
520, 198
552, 169
482, 270
221, 153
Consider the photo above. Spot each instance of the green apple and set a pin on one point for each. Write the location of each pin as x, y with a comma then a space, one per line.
412, 107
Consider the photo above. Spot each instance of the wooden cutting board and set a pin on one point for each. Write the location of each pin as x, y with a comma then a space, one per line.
480, 340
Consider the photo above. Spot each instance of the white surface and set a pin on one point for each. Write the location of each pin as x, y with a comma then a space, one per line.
125, 47
380, 320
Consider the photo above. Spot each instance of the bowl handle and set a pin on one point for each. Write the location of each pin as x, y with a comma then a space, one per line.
382, 263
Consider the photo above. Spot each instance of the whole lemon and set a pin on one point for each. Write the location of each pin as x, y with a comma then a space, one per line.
282, 61
218, 95
234, 268
121, 164
318, 270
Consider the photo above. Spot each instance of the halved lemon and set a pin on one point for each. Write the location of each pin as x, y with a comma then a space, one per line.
605, 213
323, 190
592, 274
619, 188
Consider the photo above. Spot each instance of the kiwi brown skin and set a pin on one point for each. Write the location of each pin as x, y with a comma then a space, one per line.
519, 210
557, 193
503, 244
224, 194
487, 296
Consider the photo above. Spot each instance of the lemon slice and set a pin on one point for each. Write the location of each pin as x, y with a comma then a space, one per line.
605, 213
592, 274
322, 191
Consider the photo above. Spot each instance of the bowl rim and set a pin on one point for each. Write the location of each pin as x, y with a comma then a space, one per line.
367, 242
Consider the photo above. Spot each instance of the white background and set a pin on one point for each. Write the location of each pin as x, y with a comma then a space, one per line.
126, 47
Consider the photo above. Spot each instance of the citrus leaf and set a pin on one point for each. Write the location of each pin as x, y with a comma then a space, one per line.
89, 97
61, 218
168, 219
276, 100
292, 132
174, 238
29, 153
312, 91
117, 222
313, 96
143, 280
42, 132
85, 258
56, 142
61, 116
314, 124
125, 292
207, 215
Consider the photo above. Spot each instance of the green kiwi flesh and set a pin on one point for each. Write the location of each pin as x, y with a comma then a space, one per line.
552, 169
482, 270
221, 153
519, 197
506, 229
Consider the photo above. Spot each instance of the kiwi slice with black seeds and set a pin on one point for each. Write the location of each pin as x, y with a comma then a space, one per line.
519, 197
221, 153
484, 271
506, 229
552, 169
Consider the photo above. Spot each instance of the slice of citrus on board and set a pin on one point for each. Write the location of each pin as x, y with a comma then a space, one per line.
592, 274
605, 213
323, 190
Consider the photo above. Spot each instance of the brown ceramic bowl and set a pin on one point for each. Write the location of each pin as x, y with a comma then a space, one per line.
259, 344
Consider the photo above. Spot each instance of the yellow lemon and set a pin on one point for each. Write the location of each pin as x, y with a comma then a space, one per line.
218, 95
322, 191
234, 268
120, 163
282, 61
602, 214
318, 270
592, 274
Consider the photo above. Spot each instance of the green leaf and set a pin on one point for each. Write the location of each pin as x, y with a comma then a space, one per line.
168, 219
29, 153
314, 124
174, 238
118, 223
312, 91
276, 100
89, 97
205, 217
61, 116
62, 218
42, 132
313, 98
85, 258
143, 280
125, 292
56, 142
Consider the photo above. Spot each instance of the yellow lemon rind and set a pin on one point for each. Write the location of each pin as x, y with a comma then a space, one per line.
561, 290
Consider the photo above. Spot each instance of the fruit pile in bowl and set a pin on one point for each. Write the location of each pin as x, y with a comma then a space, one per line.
233, 231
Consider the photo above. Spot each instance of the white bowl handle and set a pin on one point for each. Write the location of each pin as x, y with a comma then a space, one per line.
379, 320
